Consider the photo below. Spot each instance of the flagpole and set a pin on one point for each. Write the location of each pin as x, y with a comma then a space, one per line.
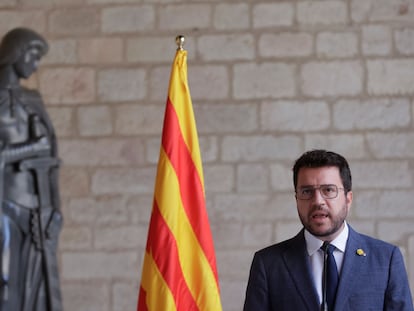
179, 40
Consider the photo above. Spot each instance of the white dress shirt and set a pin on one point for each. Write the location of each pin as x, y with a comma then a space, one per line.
313, 245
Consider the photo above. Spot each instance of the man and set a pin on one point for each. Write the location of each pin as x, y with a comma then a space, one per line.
297, 275
31, 219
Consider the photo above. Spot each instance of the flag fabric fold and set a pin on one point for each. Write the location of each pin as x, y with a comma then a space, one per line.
179, 271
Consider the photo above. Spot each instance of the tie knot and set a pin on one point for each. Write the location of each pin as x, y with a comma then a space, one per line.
328, 248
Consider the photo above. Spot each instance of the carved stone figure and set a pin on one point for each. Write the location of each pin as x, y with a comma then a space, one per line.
31, 219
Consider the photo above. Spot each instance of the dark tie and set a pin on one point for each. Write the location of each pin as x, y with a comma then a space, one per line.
330, 277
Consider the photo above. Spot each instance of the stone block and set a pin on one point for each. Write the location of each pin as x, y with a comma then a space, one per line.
120, 238
395, 231
376, 40
112, 211
125, 296
99, 265
62, 120
375, 113
94, 121
216, 77
381, 11
388, 204
132, 119
159, 79
337, 45
295, 116
287, 229
81, 211
269, 15
391, 145
218, 178
237, 208
226, 47
67, 85
139, 208
264, 80
286, 44
33, 19
209, 148
185, 16
62, 51
257, 234
75, 238
8, 3
404, 41
390, 76
74, 21
332, 78
231, 291
351, 145
382, 174
281, 177
101, 151
259, 148
74, 182
86, 296
221, 118
100, 50
252, 178
321, 12
239, 261
123, 181
127, 19
151, 50
122, 84
229, 16
46, 3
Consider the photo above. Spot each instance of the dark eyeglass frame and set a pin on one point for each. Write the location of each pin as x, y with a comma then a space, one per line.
327, 191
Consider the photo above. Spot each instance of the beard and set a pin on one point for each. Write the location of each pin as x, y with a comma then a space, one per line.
334, 225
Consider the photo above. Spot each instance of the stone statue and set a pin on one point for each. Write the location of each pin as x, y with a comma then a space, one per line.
30, 219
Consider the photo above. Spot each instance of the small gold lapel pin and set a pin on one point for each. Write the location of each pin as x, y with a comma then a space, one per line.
360, 252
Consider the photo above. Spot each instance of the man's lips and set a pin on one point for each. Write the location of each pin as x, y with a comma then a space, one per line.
319, 215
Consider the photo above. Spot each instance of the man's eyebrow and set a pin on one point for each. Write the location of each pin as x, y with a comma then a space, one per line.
312, 186
307, 186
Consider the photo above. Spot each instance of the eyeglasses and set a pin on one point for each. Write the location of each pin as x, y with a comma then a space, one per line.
326, 191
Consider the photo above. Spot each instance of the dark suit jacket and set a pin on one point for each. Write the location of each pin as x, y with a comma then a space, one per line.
281, 278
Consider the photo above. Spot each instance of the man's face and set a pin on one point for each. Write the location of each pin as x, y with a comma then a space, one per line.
321, 216
27, 63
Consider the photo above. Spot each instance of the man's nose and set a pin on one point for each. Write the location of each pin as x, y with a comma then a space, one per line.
317, 197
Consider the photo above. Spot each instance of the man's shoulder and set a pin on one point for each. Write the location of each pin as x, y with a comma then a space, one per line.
372, 243
283, 246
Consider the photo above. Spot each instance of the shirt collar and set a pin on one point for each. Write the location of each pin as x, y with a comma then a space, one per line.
313, 244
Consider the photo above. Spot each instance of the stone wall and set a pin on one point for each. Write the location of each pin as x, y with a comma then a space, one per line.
269, 80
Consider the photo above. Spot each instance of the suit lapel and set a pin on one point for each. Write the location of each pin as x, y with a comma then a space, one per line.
351, 267
298, 266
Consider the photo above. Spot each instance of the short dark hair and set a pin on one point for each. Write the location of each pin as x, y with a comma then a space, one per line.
322, 158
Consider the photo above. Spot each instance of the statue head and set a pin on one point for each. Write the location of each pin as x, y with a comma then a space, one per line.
22, 48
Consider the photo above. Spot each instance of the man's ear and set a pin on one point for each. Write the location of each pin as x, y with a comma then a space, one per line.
349, 197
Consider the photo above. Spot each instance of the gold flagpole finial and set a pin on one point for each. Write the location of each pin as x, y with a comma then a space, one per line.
180, 42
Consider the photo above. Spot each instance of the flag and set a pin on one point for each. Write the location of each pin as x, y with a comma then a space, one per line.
179, 271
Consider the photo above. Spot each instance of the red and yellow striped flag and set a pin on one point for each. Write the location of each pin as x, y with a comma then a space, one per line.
179, 271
